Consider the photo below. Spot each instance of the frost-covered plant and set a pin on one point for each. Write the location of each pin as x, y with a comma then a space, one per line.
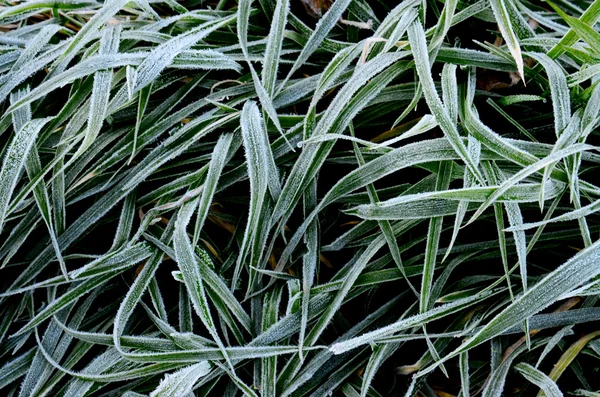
349, 198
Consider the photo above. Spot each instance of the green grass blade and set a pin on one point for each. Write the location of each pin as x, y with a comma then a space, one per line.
164, 54
579, 269
419, 47
505, 25
266, 100
14, 161
273, 51
539, 378
324, 26
181, 382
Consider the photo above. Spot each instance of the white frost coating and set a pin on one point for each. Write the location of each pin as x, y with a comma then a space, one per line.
361, 76
27, 64
217, 163
35, 45
181, 382
105, 264
450, 92
78, 71
163, 55
98, 105
109, 45
330, 75
256, 148
474, 149
184, 256
515, 218
273, 51
417, 320
583, 75
399, 158
576, 271
331, 122
22, 116
416, 36
540, 379
519, 193
87, 32
324, 26
495, 386
569, 136
100, 364
504, 23
530, 170
265, 99
205, 60
14, 161
409, 14
559, 91
128, 256
426, 123
553, 342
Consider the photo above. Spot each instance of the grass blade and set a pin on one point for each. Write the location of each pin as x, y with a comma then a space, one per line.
540, 379
504, 21
15, 158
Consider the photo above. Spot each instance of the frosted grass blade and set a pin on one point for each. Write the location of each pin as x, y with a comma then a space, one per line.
324, 26
109, 44
464, 374
14, 161
181, 382
189, 269
27, 64
559, 91
335, 119
577, 270
345, 205
417, 320
266, 100
540, 379
419, 47
164, 54
144, 95
432, 245
256, 147
33, 167
497, 379
273, 51
220, 156
504, 21
86, 34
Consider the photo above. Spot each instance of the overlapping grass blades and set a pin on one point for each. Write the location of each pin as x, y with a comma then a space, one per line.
241, 198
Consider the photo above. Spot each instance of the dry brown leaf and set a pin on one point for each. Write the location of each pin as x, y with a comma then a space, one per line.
316, 8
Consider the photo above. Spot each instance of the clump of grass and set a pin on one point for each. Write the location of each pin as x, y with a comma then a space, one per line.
245, 198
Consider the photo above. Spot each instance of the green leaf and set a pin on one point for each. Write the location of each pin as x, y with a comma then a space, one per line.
419, 47
266, 99
324, 26
576, 271
14, 161
258, 153
163, 55
582, 29
109, 45
86, 34
274, 44
539, 378
417, 320
181, 382
191, 275
503, 18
